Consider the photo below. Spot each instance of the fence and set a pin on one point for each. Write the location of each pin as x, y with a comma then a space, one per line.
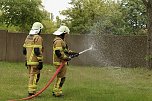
123, 51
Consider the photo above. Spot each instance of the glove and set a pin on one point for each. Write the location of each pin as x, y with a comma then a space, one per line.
40, 66
67, 59
74, 55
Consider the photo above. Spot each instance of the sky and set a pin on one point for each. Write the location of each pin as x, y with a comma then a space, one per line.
54, 6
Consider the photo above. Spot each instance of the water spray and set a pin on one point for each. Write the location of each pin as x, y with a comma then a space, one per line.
86, 50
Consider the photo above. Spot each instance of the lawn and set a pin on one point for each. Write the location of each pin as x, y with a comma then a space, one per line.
82, 83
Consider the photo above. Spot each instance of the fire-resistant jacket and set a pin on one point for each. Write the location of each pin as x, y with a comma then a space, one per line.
33, 42
59, 44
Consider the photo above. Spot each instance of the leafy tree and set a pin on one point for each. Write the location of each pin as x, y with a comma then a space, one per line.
106, 17
110, 20
134, 14
49, 26
22, 13
82, 14
94, 16
58, 21
148, 5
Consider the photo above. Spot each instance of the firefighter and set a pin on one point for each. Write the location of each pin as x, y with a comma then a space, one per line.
61, 53
32, 49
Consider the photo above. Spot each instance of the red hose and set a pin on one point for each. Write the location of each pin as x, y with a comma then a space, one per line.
44, 88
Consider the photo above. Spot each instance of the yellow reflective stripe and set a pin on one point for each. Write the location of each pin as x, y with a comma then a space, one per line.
35, 78
40, 58
58, 48
31, 56
38, 46
32, 63
32, 46
58, 82
32, 88
56, 63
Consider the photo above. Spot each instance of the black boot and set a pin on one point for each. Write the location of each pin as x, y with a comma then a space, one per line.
30, 94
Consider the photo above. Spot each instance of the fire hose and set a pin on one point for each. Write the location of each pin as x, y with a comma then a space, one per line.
50, 81
47, 85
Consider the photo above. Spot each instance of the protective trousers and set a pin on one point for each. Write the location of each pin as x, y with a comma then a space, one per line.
34, 76
57, 90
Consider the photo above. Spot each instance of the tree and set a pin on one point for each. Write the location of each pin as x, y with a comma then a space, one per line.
22, 13
134, 14
49, 26
82, 14
148, 5
47, 21
58, 21
110, 20
94, 16
107, 17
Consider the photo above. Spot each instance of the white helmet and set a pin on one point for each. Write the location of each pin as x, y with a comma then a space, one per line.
37, 26
61, 30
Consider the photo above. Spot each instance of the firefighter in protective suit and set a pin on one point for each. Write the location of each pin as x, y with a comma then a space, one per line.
32, 49
61, 53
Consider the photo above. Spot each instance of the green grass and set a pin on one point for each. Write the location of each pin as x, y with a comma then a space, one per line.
82, 83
